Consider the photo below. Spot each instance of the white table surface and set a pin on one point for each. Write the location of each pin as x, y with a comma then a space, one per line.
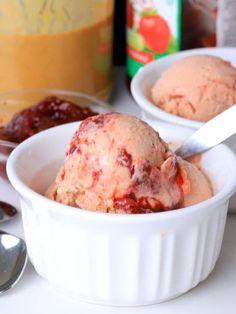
33, 295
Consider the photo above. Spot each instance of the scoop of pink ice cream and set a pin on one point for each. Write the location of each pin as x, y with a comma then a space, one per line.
117, 163
197, 187
196, 87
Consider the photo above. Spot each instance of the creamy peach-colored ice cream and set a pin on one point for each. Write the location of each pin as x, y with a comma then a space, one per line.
117, 163
196, 87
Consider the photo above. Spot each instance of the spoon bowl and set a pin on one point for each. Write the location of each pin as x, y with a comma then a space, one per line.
13, 259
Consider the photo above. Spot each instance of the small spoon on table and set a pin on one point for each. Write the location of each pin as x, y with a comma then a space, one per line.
7, 211
8, 144
210, 134
13, 258
13, 253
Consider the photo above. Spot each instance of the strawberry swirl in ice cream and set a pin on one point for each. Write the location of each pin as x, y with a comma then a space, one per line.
116, 163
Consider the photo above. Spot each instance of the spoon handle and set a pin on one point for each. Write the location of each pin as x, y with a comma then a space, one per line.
210, 134
7, 211
8, 144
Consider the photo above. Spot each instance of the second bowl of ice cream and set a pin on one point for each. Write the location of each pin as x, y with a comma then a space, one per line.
118, 229
188, 88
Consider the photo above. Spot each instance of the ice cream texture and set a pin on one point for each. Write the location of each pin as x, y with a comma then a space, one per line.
117, 163
196, 87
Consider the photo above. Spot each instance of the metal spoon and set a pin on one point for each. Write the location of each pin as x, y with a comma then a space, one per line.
8, 144
13, 258
13, 255
7, 211
210, 134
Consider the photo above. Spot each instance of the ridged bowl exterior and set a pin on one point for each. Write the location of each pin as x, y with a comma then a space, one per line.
116, 263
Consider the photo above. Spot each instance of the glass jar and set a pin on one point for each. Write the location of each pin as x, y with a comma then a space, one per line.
198, 23
56, 44
158, 28
208, 23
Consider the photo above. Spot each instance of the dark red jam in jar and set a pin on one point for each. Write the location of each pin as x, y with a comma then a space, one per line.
49, 112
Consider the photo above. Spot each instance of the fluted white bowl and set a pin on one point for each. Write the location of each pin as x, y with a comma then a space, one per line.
117, 259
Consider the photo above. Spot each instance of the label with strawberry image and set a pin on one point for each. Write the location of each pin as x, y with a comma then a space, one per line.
152, 31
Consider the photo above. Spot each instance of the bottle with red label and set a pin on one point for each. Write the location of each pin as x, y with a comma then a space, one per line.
156, 28
152, 31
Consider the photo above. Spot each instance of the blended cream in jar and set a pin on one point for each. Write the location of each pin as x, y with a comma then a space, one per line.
56, 44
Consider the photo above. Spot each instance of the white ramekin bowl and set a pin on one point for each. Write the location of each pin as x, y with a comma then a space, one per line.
116, 259
149, 74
